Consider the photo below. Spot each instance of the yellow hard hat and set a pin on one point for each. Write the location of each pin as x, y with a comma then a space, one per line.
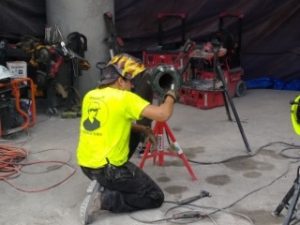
127, 66
295, 114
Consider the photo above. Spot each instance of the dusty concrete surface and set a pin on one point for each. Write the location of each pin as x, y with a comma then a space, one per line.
248, 188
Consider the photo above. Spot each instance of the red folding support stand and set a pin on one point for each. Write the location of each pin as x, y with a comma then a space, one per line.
161, 130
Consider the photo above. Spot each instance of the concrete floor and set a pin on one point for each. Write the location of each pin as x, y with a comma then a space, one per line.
251, 187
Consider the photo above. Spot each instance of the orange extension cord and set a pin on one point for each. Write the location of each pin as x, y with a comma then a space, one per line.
11, 165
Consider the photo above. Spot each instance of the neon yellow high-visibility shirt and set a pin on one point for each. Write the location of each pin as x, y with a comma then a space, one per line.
107, 116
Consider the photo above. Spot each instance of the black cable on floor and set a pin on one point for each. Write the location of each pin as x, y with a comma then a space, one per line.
197, 215
239, 157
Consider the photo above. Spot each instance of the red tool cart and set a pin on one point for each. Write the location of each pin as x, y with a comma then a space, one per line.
201, 87
205, 90
218, 77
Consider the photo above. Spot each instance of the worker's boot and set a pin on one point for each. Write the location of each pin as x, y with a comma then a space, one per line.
91, 203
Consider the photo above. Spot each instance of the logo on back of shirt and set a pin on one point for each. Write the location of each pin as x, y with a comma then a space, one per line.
91, 122
94, 115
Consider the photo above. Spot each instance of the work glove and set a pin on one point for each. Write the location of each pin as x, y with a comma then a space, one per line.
150, 136
173, 94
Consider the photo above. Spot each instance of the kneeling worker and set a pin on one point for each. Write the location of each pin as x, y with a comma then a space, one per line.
103, 150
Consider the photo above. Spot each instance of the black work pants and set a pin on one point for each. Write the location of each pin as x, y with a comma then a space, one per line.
126, 188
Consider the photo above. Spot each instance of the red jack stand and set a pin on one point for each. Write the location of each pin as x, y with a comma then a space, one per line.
159, 130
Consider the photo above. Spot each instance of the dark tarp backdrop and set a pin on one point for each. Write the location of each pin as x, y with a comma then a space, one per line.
19, 18
270, 31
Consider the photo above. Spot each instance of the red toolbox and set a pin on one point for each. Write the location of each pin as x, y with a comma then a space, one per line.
232, 79
208, 93
201, 99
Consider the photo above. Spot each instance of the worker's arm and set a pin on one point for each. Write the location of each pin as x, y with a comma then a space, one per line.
139, 128
146, 130
162, 112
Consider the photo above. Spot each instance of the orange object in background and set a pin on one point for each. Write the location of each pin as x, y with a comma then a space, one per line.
13, 88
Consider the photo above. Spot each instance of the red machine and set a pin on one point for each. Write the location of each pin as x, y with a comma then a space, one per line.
205, 91
212, 84
201, 87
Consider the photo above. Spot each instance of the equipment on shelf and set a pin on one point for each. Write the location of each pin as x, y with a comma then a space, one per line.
54, 66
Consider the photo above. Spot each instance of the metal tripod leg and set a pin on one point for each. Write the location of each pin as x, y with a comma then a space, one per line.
292, 206
284, 202
179, 150
290, 201
226, 106
227, 99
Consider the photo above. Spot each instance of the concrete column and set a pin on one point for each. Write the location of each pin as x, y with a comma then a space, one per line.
86, 17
